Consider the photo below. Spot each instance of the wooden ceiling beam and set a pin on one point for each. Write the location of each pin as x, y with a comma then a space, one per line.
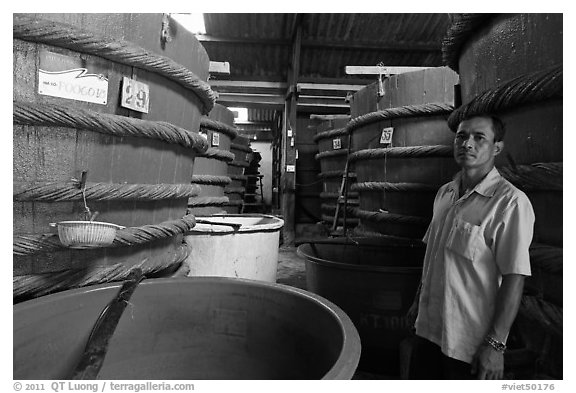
328, 44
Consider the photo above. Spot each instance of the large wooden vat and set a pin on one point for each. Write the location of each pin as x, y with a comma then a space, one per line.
138, 165
510, 65
237, 188
332, 138
397, 178
211, 167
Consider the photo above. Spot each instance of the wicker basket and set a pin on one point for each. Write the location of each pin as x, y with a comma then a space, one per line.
86, 234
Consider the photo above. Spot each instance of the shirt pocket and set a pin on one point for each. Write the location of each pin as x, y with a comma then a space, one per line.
463, 239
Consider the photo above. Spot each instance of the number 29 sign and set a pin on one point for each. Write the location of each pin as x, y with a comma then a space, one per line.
135, 95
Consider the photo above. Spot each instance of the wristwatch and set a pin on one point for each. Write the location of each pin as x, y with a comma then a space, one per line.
497, 345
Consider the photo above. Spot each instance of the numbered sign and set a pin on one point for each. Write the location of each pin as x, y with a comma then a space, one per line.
336, 144
215, 139
135, 95
386, 136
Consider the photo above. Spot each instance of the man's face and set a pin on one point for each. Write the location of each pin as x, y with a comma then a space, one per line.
474, 145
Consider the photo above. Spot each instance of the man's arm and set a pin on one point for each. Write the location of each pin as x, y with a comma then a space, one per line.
489, 363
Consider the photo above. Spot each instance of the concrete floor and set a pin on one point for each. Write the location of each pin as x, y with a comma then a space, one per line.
292, 271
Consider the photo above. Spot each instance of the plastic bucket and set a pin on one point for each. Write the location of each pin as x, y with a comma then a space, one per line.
249, 251
190, 328
374, 280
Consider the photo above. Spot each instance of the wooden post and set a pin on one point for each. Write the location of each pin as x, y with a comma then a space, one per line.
288, 137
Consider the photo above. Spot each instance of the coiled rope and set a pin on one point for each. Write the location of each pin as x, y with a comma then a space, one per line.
210, 180
331, 174
207, 201
70, 191
64, 35
27, 244
234, 190
403, 152
393, 187
331, 153
523, 90
545, 314
33, 114
461, 29
432, 109
390, 218
547, 258
239, 177
335, 195
244, 148
240, 164
330, 134
34, 285
538, 176
214, 125
217, 154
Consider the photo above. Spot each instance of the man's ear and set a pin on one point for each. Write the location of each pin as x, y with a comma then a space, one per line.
498, 147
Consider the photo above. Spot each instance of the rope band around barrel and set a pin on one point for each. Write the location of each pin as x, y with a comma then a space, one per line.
207, 201
63, 35
70, 191
34, 114
235, 146
431, 109
393, 187
461, 29
217, 154
543, 313
239, 177
335, 195
403, 152
332, 174
391, 218
523, 90
240, 164
27, 244
331, 153
34, 285
538, 176
210, 180
330, 134
215, 125
234, 190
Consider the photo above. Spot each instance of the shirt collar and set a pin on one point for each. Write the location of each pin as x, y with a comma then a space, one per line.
486, 187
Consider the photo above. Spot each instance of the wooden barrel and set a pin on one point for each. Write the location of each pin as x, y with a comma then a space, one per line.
68, 119
402, 149
510, 65
235, 191
332, 139
211, 167
498, 51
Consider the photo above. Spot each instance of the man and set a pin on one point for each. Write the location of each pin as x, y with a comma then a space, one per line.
475, 263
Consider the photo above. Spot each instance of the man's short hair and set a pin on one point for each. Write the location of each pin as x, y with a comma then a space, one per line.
497, 126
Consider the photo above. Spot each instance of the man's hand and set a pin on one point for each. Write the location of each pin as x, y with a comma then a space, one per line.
488, 363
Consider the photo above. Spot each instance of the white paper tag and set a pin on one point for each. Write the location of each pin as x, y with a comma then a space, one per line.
215, 139
336, 143
75, 84
290, 168
135, 95
386, 136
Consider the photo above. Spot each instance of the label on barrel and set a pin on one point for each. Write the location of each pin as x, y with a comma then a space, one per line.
336, 144
135, 95
386, 136
215, 139
67, 77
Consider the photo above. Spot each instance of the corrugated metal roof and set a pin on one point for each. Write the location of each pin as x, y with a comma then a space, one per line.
259, 46
351, 39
